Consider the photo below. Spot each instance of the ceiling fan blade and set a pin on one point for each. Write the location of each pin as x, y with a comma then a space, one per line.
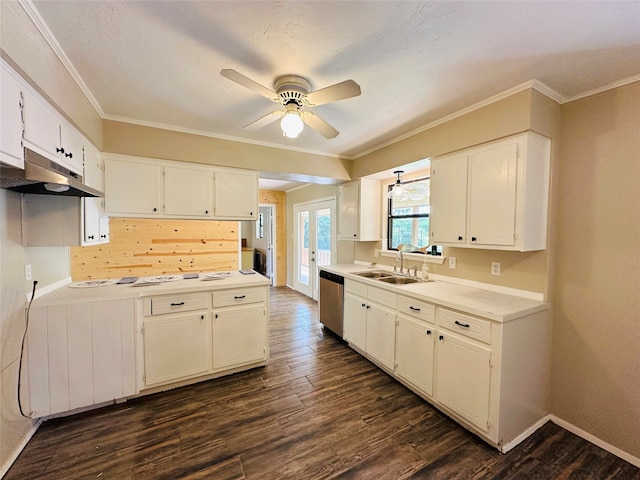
264, 121
322, 127
339, 91
248, 83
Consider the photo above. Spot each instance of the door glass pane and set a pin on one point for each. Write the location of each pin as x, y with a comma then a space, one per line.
323, 236
303, 250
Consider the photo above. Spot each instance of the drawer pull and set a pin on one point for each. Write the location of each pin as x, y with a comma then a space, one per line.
177, 304
464, 325
239, 297
415, 309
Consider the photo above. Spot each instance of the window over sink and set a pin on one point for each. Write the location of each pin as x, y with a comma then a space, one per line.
408, 214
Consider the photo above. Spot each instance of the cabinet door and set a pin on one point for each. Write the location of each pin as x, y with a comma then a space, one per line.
236, 194
448, 200
355, 321
348, 213
239, 336
132, 188
463, 374
381, 334
414, 352
492, 195
93, 168
41, 127
176, 347
72, 154
187, 191
11, 152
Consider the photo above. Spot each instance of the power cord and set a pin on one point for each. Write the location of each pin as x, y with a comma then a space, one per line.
24, 338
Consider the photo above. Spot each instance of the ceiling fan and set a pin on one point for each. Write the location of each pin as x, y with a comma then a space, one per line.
293, 93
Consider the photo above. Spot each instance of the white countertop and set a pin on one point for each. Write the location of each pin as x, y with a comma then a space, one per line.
476, 301
67, 294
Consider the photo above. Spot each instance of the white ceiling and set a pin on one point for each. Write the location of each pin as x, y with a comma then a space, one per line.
158, 63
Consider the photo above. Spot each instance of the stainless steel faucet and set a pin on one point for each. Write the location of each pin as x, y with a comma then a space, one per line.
401, 257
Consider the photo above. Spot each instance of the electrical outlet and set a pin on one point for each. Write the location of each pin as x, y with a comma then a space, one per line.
495, 268
27, 272
452, 262
376, 253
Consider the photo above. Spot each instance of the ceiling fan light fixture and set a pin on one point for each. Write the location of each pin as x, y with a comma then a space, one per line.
291, 124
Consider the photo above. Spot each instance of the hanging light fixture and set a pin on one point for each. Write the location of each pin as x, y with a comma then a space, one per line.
398, 190
291, 122
410, 191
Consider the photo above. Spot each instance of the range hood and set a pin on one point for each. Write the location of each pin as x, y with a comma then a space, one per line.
43, 176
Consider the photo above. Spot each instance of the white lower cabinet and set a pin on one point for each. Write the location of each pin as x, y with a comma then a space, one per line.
355, 320
463, 375
199, 334
176, 347
239, 336
414, 352
491, 376
368, 324
80, 354
381, 341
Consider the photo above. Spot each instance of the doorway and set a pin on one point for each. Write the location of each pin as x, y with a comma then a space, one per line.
314, 243
260, 237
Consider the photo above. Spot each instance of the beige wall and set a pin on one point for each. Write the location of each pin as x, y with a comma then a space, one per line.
26, 50
137, 140
596, 337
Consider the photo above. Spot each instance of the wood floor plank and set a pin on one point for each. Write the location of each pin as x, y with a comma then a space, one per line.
318, 410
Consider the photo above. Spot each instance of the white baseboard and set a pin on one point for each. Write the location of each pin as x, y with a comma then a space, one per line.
596, 441
524, 435
18, 450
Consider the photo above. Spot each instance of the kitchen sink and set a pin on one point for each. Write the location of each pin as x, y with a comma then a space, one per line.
398, 280
374, 274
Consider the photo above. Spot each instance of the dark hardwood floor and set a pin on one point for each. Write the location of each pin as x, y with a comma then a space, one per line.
318, 410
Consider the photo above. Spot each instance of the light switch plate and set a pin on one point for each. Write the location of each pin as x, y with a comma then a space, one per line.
27, 272
452, 262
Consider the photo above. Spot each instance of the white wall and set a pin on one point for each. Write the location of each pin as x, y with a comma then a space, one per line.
49, 265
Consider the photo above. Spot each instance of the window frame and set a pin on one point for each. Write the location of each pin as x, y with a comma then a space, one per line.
390, 216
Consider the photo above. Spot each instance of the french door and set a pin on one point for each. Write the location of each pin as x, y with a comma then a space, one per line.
314, 243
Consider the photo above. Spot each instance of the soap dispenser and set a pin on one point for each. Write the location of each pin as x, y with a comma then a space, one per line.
425, 271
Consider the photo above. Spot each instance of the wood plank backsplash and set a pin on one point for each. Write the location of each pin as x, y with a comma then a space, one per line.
142, 247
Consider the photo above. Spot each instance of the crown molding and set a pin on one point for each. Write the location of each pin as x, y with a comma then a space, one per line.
42, 27
609, 86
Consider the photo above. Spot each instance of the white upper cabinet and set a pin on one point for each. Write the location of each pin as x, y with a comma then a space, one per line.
187, 191
449, 209
494, 196
359, 211
11, 126
149, 188
132, 187
96, 223
47, 133
235, 194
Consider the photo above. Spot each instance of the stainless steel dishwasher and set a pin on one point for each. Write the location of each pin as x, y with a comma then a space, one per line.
331, 301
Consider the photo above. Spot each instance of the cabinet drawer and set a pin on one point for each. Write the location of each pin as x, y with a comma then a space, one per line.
238, 296
356, 288
417, 308
382, 297
182, 302
469, 326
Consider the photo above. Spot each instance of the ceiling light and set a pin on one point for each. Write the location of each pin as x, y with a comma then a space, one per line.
397, 191
291, 124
